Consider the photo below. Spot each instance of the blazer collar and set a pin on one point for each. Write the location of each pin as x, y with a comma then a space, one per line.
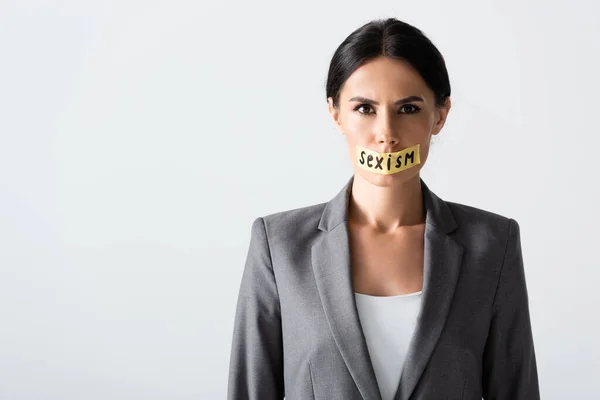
331, 264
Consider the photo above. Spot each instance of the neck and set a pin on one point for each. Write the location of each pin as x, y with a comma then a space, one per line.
386, 208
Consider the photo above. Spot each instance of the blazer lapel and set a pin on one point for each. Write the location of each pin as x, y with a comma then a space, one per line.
331, 265
332, 268
443, 258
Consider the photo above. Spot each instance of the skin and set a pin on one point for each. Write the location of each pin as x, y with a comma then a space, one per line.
386, 218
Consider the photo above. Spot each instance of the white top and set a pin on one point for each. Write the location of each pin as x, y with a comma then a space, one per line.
388, 323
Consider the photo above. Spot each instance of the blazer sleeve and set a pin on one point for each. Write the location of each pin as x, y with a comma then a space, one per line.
509, 361
256, 360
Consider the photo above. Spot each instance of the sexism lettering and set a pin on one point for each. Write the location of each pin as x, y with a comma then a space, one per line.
388, 163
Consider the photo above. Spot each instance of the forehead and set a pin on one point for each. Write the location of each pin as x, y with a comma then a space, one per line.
385, 77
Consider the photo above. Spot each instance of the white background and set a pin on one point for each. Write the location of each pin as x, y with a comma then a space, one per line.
137, 145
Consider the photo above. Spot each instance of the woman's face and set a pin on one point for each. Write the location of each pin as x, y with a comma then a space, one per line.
386, 106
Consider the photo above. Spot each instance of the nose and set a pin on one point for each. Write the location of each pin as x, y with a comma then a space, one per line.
385, 137
387, 140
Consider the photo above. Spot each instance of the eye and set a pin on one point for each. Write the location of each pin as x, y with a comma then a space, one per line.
415, 108
361, 106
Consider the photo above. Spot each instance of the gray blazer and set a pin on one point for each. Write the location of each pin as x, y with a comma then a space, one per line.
297, 332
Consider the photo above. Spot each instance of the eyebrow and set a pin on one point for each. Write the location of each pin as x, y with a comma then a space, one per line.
397, 102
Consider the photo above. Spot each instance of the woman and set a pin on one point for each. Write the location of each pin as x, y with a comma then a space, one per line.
386, 291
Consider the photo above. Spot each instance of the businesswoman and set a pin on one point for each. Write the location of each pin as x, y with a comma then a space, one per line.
386, 291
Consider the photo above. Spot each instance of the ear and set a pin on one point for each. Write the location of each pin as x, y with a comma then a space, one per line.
442, 116
335, 114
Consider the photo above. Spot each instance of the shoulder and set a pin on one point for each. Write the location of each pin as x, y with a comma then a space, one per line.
465, 212
292, 222
480, 224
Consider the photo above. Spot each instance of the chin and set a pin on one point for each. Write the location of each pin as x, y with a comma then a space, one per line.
389, 180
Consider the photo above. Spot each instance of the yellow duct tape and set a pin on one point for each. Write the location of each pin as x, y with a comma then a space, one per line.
387, 163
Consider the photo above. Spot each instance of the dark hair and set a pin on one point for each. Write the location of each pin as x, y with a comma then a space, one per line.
391, 38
